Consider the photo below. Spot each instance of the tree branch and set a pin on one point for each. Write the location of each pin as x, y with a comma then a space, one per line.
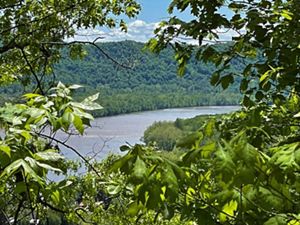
5, 216
74, 150
51, 206
39, 85
93, 43
20, 205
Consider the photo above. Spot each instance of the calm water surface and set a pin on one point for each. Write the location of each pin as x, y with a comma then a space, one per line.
107, 134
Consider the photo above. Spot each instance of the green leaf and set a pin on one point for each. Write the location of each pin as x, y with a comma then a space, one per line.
215, 78
207, 149
181, 70
209, 128
28, 171
124, 164
133, 209
67, 119
226, 81
114, 189
285, 157
277, 220
287, 15
49, 167
78, 124
32, 95
244, 85
48, 155
35, 112
228, 211
26, 135
170, 180
139, 170
124, 148
55, 197
6, 149
224, 164
87, 105
91, 98
168, 212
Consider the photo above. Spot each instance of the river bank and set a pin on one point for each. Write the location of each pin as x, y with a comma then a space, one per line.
107, 134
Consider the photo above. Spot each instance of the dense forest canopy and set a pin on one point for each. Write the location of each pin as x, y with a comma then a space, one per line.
242, 168
149, 83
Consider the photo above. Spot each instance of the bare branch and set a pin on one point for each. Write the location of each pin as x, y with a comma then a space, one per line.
20, 205
39, 85
74, 150
93, 43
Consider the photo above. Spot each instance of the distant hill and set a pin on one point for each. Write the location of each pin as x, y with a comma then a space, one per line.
151, 84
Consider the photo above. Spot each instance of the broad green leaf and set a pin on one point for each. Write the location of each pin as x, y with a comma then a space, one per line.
49, 167
139, 171
17, 165
6, 149
133, 209
294, 222
285, 157
78, 124
169, 179
154, 191
12, 168
35, 112
215, 78
124, 164
26, 135
224, 164
207, 149
124, 148
32, 95
48, 155
87, 105
55, 197
91, 98
277, 220
114, 189
226, 81
228, 211
67, 119
82, 114
190, 195
287, 15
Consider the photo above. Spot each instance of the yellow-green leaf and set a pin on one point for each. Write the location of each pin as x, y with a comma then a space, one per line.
228, 210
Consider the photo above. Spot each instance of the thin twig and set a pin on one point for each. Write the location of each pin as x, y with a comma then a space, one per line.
51, 206
74, 150
20, 205
39, 85
93, 43
5, 216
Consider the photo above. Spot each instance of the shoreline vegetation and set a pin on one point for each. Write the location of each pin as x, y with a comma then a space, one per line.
173, 135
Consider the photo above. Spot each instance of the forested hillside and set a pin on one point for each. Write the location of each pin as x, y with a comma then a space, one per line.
150, 83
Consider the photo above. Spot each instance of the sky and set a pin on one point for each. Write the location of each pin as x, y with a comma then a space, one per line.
140, 28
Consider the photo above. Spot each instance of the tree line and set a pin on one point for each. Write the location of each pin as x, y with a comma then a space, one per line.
149, 83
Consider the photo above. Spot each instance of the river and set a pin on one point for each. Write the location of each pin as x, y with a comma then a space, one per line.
107, 134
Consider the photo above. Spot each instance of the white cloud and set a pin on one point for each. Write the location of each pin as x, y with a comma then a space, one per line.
139, 31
